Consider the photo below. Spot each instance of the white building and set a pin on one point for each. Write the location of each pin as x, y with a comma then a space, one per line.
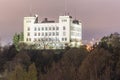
49, 34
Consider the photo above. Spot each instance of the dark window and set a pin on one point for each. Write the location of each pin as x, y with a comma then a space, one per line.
49, 33
28, 29
26, 39
49, 28
64, 20
57, 28
53, 34
35, 40
45, 34
53, 28
64, 33
38, 34
42, 34
63, 27
57, 33
65, 39
29, 39
46, 28
62, 39
38, 39
42, 28
28, 34
35, 34
35, 29
38, 29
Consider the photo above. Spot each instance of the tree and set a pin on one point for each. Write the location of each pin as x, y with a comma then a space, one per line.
95, 66
17, 38
111, 43
18, 74
32, 72
23, 59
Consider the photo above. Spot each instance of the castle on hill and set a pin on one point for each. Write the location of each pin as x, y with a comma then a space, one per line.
52, 35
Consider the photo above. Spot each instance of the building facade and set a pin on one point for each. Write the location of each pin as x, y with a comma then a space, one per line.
51, 34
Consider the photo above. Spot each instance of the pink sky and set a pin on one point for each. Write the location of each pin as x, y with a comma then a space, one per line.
99, 17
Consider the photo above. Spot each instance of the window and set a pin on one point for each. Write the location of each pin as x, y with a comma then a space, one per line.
46, 39
42, 28
26, 39
35, 29
57, 28
53, 28
50, 39
49, 28
42, 34
63, 27
38, 39
72, 28
57, 33
35, 39
65, 39
35, 34
79, 34
64, 33
28, 21
62, 39
29, 39
49, 33
64, 20
38, 34
53, 34
46, 34
28, 34
28, 29
45, 28
38, 29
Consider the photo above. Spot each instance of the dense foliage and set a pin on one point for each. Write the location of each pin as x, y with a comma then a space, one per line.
102, 63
